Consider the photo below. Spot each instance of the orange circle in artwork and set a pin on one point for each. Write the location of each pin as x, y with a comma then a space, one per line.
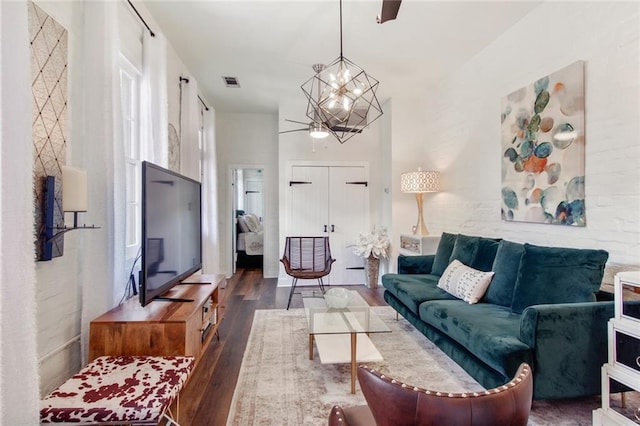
534, 164
536, 195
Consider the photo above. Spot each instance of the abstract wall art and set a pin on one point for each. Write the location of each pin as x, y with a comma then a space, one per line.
543, 150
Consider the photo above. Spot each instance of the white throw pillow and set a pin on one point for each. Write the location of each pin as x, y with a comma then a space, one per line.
253, 222
242, 223
464, 282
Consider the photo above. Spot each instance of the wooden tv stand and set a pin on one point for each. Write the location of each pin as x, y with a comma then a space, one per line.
162, 328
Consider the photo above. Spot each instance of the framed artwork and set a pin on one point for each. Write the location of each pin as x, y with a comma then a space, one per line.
543, 150
49, 52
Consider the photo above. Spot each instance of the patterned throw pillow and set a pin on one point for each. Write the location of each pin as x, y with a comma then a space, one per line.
464, 282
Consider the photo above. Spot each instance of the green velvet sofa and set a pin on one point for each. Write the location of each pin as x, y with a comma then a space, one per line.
543, 307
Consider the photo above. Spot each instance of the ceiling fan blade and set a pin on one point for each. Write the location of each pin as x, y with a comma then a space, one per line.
389, 11
294, 121
346, 129
296, 130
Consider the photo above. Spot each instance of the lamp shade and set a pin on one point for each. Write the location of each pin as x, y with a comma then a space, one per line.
420, 181
74, 189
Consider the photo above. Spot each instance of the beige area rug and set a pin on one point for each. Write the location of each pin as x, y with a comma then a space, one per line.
278, 384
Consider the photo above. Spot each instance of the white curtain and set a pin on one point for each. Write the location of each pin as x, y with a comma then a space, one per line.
210, 222
104, 249
154, 99
189, 128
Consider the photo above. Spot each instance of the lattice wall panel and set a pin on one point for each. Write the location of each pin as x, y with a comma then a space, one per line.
49, 87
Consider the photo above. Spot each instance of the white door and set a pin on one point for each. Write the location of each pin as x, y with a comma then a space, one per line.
348, 216
309, 195
331, 201
253, 197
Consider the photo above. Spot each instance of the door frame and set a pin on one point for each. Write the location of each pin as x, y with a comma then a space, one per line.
230, 214
283, 279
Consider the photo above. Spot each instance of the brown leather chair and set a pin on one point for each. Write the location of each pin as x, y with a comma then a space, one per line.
390, 402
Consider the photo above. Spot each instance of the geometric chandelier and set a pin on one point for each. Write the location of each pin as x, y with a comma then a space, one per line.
342, 96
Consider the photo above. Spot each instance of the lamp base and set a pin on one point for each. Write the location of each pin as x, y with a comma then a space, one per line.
420, 228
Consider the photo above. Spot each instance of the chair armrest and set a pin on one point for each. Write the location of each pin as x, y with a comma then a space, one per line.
415, 264
569, 341
337, 417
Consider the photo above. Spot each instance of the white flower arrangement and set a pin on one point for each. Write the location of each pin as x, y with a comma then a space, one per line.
374, 243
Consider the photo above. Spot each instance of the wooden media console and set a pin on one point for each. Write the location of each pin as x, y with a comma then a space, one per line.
162, 328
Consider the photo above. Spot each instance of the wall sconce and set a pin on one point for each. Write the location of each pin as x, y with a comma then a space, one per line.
74, 200
419, 183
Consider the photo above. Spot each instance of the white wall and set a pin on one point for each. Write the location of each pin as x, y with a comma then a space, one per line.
463, 139
411, 148
58, 289
18, 359
248, 140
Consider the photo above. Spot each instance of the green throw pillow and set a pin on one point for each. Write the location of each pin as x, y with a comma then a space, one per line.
465, 249
443, 253
487, 249
557, 275
506, 266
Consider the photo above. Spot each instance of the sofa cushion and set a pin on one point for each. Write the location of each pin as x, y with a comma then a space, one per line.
465, 249
414, 289
505, 266
486, 254
490, 332
464, 282
557, 275
415, 264
443, 253
477, 252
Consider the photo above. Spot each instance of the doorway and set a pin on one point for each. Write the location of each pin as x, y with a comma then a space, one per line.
247, 217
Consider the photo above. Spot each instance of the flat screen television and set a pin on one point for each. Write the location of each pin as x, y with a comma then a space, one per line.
171, 230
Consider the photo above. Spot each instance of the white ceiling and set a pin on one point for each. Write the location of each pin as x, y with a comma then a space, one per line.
270, 46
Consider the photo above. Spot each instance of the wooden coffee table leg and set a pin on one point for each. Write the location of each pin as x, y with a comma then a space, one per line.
353, 362
311, 346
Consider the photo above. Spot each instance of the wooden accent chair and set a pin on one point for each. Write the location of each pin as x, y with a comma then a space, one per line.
307, 258
390, 402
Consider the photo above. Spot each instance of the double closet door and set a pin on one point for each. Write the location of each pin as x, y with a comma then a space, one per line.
331, 201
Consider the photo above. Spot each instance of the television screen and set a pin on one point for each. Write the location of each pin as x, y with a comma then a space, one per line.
171, 230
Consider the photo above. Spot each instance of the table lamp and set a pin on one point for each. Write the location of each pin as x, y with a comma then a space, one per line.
419, 183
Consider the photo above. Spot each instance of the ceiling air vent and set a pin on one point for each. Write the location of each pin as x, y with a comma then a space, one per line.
231, 81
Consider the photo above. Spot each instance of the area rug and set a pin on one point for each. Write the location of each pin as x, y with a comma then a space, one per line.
278, 384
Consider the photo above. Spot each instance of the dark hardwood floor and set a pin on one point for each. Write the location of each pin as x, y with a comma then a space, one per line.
207, 397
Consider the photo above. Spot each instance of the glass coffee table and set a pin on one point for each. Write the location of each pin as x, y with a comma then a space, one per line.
342, 335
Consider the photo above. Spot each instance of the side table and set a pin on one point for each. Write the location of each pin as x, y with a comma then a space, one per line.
415, 245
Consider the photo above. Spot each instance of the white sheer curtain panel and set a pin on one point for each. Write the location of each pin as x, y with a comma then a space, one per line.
102, 262
154, 99
210, 223
189, 128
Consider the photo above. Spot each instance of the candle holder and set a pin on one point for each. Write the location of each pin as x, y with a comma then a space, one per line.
74, 200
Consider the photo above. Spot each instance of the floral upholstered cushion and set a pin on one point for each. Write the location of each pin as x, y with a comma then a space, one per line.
118, 389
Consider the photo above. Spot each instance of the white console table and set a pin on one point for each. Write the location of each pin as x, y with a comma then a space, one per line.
415, 245
623, 366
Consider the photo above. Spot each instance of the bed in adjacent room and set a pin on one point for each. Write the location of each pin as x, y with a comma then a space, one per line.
249, 244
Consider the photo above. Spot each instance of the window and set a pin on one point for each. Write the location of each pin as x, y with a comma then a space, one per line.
130, 79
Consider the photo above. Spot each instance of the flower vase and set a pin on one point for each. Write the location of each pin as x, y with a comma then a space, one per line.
371, 268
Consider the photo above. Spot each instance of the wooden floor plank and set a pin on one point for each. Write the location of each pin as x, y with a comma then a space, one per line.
207, 398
